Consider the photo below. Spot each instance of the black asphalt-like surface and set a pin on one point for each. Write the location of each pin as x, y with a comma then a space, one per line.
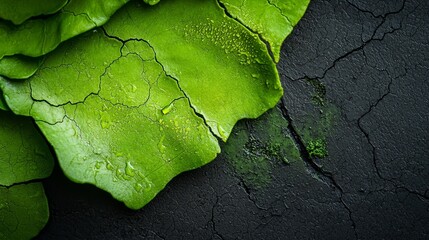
372, 57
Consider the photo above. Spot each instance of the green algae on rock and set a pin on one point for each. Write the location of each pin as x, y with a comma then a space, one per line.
252, 152
317, 148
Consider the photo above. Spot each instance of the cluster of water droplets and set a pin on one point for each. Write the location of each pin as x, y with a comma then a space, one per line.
126, 173
234, 40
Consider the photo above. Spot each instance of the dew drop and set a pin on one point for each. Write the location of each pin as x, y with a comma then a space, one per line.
161, 145
129, 169
119, 174
138, 187
98, 165
105, 124
133, 88
109, 165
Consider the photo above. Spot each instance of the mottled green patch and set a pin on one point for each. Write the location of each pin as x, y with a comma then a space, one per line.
253, 150
272, 129
319, 96
316, 128
247, 159
317, 148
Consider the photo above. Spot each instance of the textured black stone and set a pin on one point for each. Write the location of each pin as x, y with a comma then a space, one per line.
373, 59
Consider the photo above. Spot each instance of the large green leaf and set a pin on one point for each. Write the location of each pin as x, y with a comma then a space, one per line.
23, 211
18, 11
129, 111
132, 129
223, 68
24, 154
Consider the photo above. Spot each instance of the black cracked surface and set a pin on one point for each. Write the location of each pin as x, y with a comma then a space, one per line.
372, 57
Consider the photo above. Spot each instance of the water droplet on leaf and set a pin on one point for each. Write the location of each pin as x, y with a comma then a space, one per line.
129, 169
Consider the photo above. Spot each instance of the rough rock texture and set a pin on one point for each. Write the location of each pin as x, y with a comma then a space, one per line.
354, 74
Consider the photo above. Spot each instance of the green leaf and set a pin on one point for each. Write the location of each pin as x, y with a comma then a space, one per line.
18, 11
128, 115
19, 67
223, 68
129, 106
273, 20
131, 131
40, 36
24, 154
3, 104
23, 211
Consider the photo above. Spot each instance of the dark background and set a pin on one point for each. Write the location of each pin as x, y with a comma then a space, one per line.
355, 76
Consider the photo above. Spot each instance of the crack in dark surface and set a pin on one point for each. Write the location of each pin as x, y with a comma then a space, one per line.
325, 176
371, 144
215, 231
383, 15
156, 234
363, 45
361, 128
248, 192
